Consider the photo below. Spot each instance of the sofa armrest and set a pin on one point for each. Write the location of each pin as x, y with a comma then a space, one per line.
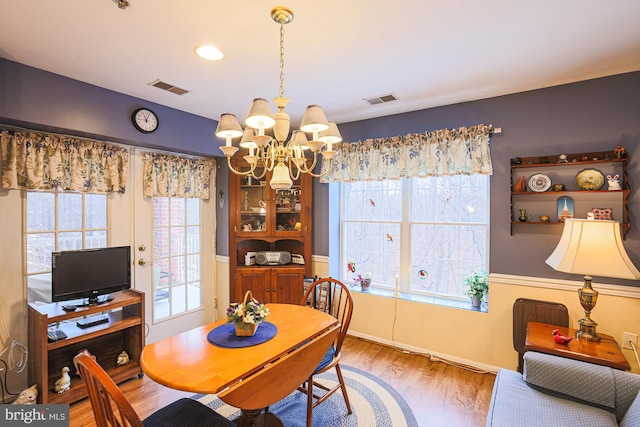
573, 379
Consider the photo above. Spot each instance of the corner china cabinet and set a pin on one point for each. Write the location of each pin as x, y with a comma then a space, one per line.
546, 189
262, 219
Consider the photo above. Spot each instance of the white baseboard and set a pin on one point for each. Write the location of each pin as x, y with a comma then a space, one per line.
433, 355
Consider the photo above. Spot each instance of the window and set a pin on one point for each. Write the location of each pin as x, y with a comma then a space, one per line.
59, 221
429, 232
176, 256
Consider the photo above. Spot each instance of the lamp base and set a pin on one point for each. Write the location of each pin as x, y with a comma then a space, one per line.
587, 330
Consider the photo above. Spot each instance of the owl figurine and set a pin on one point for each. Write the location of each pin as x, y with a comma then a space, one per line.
27, 396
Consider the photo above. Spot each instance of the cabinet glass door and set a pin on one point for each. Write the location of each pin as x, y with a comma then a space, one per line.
253, 203
289, 208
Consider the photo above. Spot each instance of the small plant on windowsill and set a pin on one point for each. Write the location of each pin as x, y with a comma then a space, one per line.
363, 281
477, 287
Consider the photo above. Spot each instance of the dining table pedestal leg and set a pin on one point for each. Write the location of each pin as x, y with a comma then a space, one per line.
258, 418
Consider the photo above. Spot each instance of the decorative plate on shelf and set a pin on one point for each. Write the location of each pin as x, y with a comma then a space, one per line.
539, 182
590, 179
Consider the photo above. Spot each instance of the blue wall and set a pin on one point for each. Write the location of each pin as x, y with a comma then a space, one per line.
587, 116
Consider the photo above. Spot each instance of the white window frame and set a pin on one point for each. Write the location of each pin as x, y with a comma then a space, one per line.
404, 282
56, 229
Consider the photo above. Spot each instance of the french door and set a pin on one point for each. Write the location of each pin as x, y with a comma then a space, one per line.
173, 258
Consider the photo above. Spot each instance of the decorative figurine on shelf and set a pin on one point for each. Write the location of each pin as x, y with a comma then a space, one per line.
560, 338
619, 152
544, 218
27, 396
85, 351
614, 182
123, 359
516, 161
523, 215
562, 158
64, 382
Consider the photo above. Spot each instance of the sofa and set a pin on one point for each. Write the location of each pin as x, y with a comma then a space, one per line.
555, 391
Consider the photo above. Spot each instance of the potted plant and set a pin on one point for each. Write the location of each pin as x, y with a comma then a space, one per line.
247, 315
363, 281
477, 287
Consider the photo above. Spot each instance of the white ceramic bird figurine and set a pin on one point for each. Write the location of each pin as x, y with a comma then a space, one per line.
64, 382
27, 396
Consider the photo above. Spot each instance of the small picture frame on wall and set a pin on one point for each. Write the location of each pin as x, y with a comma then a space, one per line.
565, 208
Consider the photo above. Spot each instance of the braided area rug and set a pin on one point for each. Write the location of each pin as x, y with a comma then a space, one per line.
374, 403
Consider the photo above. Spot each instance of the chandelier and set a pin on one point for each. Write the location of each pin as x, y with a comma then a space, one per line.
286, 159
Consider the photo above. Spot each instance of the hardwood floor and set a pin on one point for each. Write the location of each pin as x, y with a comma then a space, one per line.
439, 394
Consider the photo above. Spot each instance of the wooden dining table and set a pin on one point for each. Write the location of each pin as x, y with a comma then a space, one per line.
189, 362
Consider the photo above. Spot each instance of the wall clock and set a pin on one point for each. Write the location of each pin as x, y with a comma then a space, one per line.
144, 120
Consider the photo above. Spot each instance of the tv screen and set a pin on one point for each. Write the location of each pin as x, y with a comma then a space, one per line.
90, 273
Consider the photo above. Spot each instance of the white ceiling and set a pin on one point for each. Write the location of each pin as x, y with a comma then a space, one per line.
426, 52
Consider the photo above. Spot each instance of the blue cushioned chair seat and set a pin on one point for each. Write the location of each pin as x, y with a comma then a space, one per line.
326, 360
515, 403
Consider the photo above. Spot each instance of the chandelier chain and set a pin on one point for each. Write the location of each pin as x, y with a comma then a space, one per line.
282, 60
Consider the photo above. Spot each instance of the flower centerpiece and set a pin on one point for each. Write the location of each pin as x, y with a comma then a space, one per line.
363, 281
477, 287
247, 315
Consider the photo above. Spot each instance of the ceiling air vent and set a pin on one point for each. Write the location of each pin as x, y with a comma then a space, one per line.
381, 99
169, 88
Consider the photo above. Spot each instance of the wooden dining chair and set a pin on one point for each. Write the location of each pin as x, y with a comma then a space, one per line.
112, 409
333, 297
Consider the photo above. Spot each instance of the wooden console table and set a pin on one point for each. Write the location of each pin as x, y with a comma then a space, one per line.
606, 352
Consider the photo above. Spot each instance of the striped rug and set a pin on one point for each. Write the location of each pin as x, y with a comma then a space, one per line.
374, 403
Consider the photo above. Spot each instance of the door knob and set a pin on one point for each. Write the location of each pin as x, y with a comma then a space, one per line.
142, 248
142, 262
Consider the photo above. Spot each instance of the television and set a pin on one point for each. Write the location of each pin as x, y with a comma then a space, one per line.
90, 273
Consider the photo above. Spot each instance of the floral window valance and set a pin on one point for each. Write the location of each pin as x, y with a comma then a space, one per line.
42, 161
462, 151
167, 175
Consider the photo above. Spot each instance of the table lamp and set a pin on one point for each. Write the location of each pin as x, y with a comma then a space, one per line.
591, 247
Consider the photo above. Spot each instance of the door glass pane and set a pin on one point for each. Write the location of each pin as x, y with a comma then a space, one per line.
177, 257
95, 239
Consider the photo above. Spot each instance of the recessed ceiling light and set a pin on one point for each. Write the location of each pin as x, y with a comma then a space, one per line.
209, 52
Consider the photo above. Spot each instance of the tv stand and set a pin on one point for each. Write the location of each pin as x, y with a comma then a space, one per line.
124, 330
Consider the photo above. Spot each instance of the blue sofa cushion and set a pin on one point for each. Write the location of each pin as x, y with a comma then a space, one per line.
632, 417
514, 403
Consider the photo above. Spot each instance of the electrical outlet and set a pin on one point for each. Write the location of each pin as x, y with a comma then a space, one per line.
629, 337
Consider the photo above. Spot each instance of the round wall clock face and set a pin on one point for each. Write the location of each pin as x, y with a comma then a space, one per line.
144, 120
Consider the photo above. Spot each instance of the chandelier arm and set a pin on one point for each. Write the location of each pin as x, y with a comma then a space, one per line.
239, 172
309, 169
292, 166
321, 174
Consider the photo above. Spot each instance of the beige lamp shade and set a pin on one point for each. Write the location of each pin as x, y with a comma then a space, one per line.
280, 180
314, 120
228, 126
593, 248
260, 115
331, 135
247, 141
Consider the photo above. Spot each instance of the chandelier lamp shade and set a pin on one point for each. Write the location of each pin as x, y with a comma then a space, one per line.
286, 156
591, 248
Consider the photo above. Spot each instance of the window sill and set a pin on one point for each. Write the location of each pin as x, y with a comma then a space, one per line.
443, 302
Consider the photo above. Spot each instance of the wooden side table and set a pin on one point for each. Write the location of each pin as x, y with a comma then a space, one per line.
606, 352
